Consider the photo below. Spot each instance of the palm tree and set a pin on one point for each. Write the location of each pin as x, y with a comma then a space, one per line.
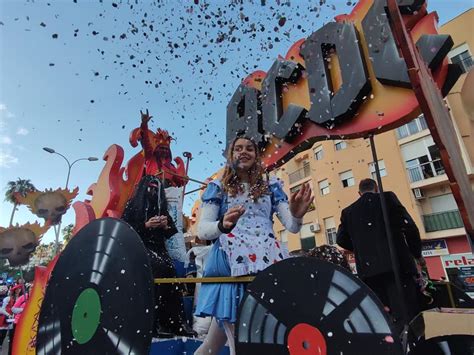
21, 186
67, 233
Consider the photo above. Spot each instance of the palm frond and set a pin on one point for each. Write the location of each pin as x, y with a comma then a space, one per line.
21, 186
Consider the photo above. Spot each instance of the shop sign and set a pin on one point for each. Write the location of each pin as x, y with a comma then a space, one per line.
458, 260
434, 247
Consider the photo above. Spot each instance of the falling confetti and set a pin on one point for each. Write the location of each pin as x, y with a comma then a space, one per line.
187, 59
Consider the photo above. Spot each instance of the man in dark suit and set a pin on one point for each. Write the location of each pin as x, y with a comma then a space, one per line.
362, 231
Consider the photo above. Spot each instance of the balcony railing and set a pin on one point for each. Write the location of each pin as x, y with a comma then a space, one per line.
442, 221
299, 174
426, 170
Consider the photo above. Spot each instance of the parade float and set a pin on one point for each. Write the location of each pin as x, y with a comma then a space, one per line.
339, 82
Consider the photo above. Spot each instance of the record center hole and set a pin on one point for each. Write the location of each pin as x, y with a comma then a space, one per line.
306, 345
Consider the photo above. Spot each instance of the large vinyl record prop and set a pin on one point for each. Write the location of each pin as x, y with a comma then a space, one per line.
99, 299
308, 306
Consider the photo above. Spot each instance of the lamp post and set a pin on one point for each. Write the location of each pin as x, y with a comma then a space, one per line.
57, 228
52, 151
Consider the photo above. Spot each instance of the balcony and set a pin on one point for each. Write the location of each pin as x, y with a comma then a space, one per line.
425, 171
299, 174
442, 221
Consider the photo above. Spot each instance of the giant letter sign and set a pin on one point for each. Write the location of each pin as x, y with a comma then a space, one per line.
242, 114
278, 123
342, 81
335, 105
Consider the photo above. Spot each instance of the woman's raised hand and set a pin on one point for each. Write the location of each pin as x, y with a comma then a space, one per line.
232, 216
300, 201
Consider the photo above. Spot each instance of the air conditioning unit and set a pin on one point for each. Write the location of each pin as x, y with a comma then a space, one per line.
418, 193
315, 227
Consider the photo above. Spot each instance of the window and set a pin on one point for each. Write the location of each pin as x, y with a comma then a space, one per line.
347, 178
422, 122
422, 159
330, 228
307, 237
464, 60
383, 171
284, 236
443, 203
319, 153
416, 148
402, 132
340, 144
324, 187
412, 127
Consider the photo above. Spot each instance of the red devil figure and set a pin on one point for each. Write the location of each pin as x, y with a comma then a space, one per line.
158, 158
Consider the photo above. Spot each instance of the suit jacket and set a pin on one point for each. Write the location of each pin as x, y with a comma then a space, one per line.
362, 231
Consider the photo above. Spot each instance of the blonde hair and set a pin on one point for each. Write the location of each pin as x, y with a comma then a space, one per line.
231, 182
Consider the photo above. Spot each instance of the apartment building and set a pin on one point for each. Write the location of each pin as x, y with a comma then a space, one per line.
410, 165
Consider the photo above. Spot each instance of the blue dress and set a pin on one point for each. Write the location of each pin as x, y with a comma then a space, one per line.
249, 248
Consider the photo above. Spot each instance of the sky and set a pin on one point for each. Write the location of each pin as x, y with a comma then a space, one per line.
74, 75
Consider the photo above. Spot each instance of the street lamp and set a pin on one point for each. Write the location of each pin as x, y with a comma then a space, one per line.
52, 151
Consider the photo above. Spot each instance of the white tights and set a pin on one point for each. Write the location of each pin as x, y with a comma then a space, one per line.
216, 339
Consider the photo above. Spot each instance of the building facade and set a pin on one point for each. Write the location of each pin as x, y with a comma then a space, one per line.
410, 165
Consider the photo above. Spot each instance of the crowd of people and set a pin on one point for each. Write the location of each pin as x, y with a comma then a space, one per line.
13, 300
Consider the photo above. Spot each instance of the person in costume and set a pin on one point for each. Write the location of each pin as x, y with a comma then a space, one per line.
147, 213
9, 311
6, 310
158, 157
236, 213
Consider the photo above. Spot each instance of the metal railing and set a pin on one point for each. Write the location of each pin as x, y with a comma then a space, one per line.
442, 221
299, 174
426, 170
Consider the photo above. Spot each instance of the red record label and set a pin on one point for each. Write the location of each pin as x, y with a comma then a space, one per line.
305, 339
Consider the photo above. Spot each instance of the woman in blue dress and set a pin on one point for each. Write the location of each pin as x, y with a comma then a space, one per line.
237, 214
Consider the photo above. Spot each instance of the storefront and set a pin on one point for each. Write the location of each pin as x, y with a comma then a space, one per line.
460, 271
451, 259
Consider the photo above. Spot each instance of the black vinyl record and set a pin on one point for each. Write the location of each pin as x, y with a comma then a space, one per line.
99, 299
309, 306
